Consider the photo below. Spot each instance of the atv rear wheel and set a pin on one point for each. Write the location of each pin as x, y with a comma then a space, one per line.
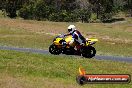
88, 52
54, 50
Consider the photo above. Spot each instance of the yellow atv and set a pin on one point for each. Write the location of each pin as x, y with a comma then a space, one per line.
60, 46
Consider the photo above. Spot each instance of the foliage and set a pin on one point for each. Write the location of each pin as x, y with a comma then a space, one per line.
66, 10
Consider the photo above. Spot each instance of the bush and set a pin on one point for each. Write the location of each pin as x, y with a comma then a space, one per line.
106, 17
54, 17
27, 12
84, 15
63, 16
41, 11
36, 10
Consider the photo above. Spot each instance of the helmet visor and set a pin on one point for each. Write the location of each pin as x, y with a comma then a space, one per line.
69, 30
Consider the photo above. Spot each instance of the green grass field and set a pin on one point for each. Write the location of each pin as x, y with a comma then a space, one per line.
27, 70
22, 38
114, 39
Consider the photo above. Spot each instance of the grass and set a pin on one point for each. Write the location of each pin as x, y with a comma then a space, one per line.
23, 38
117, 49
27, 70
114, 39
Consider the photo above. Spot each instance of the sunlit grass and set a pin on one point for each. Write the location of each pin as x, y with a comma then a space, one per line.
33, 70
114, 39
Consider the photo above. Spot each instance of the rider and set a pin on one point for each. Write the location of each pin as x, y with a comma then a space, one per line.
76, 35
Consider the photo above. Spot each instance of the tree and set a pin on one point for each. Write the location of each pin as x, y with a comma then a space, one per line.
66, 10
129, 7
102, 8
11, 6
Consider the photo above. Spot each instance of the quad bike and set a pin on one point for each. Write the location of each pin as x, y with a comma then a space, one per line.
86, 50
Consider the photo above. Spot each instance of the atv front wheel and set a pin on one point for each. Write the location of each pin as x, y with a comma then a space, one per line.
54, 50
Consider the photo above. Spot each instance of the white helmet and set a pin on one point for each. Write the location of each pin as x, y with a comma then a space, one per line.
71, 28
